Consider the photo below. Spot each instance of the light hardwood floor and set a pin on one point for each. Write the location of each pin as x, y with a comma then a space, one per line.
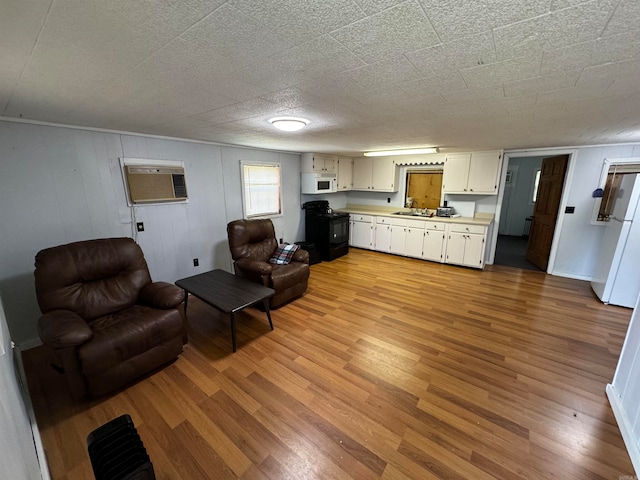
388, 367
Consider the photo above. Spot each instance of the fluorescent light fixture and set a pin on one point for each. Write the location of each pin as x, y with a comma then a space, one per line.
289, 124
410, 151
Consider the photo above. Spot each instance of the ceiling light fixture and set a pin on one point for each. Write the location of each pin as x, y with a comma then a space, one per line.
289, 124
409, 151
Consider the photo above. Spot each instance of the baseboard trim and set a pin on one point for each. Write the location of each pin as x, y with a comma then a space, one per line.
586, 278
625, 427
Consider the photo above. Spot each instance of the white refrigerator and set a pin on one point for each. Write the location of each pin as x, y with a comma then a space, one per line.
616, 279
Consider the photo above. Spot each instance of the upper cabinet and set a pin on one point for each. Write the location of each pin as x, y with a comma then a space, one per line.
472, 173
377, 174
345, 173
319, 163
362, 169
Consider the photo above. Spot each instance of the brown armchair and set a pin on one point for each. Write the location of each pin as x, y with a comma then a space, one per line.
105, 319
252, 243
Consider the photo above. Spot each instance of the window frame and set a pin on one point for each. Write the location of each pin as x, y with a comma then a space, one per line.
533, 196
270, 214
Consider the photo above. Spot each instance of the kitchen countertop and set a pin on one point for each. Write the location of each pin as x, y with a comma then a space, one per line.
484, 219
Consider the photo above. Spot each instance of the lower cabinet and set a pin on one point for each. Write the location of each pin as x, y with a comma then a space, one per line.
382, 237
398, 236
454, 243
435, 237
361, 231
466, 245
415, 238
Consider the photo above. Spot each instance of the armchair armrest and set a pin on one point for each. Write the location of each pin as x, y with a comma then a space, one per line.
301, 256
161, 295
62, 329
255, 266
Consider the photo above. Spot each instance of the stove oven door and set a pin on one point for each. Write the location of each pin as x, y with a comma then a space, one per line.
339, 230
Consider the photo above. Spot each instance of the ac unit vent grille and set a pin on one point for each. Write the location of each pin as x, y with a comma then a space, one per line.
152, 184
179, 186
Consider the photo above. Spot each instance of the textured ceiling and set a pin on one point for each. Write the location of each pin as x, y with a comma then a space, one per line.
369, 74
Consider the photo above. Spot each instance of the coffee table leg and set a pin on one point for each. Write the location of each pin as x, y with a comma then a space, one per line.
233, 330
265, 302
186, 299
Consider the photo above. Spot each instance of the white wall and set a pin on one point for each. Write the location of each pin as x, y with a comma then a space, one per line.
60, 185
18, 457
579, 241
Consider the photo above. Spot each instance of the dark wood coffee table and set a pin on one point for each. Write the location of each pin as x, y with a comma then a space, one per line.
227, 293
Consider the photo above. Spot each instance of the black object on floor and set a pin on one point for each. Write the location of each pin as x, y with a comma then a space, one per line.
117, 453
314, 255
512, 252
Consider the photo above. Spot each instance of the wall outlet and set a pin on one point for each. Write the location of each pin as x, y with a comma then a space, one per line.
196, 262
281, 241
140, 226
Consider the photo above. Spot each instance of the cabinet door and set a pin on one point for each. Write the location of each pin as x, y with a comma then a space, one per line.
455, 174
382, 241
361, 235
330, 164
474, 250
398, 240
345, 173
362, 169
455, 248
383, 175
433, 248
484, 172
415, 239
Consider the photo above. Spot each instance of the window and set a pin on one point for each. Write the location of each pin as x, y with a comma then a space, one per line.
536, 184
424, 188
261, 192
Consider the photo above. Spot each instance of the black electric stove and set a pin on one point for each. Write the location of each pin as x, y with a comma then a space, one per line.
328, 230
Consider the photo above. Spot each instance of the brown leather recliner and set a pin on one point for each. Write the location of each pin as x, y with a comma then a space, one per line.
252, 243
103, 316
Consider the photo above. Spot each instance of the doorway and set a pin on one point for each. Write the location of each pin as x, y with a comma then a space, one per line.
529, 211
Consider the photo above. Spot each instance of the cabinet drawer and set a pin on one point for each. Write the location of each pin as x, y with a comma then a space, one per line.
463, 228
383, 220
416, 224
361, 218
399, 222
437, 226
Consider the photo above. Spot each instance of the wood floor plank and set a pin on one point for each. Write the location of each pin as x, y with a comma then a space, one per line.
387, 367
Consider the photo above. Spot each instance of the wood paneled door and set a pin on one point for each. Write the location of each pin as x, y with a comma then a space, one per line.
545, 212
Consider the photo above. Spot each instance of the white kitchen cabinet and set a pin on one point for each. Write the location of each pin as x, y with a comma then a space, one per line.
484, 172
382, 234
474, 173
384, 175
318, 163
398, 241
361, 231
345, 173
362, 170
414, 238
466, 245
378, 174
434, 241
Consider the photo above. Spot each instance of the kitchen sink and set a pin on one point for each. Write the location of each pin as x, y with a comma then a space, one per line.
412, 214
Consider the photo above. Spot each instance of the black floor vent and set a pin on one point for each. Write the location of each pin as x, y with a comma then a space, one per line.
117, 453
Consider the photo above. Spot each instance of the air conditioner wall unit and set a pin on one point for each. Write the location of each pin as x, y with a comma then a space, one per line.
155, 184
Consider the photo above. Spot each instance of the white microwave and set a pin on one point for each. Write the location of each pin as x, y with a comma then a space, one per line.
319, 182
